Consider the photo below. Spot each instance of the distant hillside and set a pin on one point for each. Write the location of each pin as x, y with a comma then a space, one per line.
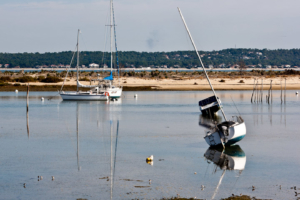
187, 59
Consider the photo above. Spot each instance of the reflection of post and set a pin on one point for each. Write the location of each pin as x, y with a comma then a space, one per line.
27, 119
27, 109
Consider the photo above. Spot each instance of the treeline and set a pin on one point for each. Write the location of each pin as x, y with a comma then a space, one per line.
187, 59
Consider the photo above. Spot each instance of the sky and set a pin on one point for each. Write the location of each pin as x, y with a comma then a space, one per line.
150, 26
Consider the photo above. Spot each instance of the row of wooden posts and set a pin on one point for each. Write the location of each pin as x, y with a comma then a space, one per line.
257, 94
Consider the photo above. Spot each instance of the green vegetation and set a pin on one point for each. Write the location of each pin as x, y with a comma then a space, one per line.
188, 59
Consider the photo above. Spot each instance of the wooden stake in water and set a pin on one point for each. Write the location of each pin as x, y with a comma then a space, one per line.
285, 91
262, 89
27, 109
271, 92
253, 90
281, 91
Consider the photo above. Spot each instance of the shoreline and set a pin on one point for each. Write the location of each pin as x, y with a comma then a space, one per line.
147, 69
168, 84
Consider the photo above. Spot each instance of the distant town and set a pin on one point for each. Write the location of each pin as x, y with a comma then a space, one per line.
223, 59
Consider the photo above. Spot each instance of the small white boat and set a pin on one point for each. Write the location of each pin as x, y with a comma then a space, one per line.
83, 96
92, 95
229, 131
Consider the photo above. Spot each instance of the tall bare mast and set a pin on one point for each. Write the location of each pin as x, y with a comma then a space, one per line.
187, 29
111, 35
78, 57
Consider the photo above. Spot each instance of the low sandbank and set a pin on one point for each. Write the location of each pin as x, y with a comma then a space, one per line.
169, 84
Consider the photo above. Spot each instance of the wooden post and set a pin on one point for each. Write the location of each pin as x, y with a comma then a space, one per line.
285, 92
27, 97
27, 109
281, 91
253, 90
271, 92
262, 89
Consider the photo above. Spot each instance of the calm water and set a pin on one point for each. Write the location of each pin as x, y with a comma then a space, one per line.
80, 142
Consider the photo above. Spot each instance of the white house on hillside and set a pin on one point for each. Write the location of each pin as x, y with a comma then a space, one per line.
93, 65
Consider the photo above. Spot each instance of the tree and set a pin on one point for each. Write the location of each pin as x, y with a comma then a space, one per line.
242, 66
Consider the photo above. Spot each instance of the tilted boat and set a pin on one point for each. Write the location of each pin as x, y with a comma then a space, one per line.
229, 131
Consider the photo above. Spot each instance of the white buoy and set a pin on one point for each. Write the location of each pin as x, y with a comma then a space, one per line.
135, 96
297, 93
16, 91
42, 99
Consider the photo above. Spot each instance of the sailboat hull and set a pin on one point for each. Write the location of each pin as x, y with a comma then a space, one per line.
114, 92
236, 133
83, 97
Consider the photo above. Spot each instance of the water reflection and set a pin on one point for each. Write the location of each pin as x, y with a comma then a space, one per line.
102, 122
209, 122
231, 158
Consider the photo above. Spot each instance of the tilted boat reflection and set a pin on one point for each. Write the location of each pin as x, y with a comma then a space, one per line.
209, 121
231, 158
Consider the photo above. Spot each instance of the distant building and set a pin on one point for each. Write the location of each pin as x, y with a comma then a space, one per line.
93, 65
268, 66
6, 65
167, 57
222, 65
287, 66
259, 53
0, 65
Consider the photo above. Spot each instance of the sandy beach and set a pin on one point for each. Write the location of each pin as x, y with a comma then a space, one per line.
292, 83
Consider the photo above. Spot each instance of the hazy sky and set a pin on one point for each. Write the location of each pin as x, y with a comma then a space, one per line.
149, 25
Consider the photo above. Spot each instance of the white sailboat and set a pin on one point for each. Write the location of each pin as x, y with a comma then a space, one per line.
229, 131
92, 95
106, 84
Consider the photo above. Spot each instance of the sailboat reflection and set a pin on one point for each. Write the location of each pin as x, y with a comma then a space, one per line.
77, 134
232, 158
113, 158
114, 128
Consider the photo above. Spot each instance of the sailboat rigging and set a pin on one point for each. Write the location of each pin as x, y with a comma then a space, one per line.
92, 95
105, 88
229, 131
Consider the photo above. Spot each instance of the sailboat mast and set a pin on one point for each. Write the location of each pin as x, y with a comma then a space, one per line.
78, 58
111, 35
187, 29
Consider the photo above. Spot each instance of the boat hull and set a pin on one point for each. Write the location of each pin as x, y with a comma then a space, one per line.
236, 133
83, 97
114, 92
